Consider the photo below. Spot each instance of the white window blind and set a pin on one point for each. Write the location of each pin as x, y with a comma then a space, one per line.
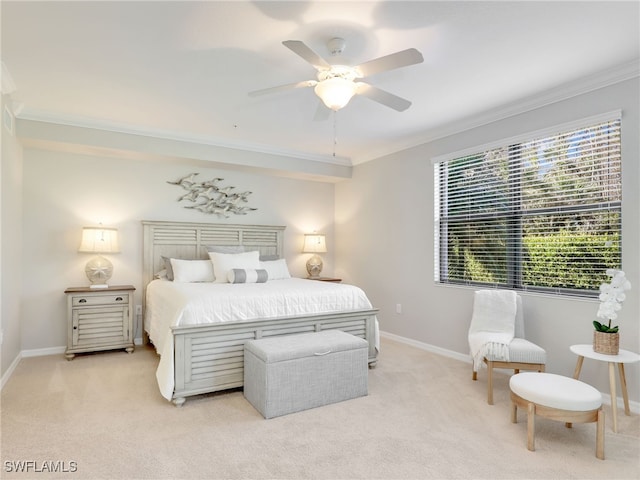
538, 214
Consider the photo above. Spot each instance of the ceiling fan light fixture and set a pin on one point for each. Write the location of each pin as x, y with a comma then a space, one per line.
336, 83
335, 92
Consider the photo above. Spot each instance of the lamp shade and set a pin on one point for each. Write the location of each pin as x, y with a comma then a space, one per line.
314, 243
335, 92
99, 240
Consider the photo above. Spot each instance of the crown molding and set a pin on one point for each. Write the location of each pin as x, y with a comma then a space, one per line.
83, 140
30, 114
568, 90
565, 91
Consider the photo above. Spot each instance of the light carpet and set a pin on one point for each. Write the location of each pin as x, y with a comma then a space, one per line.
423, 418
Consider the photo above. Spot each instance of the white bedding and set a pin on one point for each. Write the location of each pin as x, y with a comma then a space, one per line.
171, 303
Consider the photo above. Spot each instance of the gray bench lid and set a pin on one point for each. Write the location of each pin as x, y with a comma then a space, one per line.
289, 347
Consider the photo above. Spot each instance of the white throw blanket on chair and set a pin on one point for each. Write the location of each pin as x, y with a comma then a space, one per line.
492, 325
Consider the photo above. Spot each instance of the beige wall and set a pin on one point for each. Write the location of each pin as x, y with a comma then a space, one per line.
383, 239
384, 230
63, 192
10, 246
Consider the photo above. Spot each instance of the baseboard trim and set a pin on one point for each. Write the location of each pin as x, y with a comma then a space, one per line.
38, 352
41, 352
9, 372
606, 398
426, 346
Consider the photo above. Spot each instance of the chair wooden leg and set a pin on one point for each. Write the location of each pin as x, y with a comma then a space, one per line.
517, 367
489, 382
514, 412
600, 435
531, 427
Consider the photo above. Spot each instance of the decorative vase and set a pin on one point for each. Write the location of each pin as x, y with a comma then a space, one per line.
606, 343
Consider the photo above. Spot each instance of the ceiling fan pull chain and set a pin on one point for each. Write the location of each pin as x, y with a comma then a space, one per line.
335, 135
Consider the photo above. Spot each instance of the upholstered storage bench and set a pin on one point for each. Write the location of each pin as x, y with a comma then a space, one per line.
296, 372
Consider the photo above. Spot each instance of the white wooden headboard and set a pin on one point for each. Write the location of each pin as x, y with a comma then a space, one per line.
189, 240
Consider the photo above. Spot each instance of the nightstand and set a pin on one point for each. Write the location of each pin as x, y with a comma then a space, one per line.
99, 319
325, 279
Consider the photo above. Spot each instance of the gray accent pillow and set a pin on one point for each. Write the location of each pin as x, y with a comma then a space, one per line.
168, 267
240, 275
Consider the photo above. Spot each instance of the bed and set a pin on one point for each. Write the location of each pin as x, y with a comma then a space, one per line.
203, 352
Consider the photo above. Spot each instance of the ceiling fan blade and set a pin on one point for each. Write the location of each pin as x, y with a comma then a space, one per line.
281, 88
411, 56
381, 96
299, 48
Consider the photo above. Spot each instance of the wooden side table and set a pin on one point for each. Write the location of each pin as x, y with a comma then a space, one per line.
99, 319
325, 279
624, 356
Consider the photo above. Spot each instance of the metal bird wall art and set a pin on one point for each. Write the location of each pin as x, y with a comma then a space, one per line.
211, 198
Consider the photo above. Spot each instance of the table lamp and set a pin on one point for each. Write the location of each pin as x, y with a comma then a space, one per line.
99, 240
314, 243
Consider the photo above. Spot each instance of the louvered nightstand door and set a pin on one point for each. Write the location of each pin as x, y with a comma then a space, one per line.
99, 319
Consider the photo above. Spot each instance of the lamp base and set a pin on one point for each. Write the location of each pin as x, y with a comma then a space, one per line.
314, 266
99, 271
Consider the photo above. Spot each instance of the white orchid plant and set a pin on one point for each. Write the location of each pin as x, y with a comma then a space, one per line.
611, 298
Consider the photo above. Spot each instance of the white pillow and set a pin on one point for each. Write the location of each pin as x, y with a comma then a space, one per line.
223, 262
276, 269
192, 270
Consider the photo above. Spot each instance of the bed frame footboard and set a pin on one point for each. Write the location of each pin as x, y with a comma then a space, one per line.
211, 358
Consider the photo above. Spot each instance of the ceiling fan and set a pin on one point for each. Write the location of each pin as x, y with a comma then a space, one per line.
337, 84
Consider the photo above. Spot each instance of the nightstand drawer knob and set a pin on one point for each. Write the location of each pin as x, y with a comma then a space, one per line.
118, 299
82, 300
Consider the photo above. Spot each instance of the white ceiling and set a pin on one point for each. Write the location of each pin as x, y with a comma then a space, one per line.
183, 69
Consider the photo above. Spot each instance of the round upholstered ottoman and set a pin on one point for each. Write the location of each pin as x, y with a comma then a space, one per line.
558, 398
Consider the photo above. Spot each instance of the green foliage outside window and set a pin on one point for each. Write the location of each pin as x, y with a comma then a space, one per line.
542, 214
569, 260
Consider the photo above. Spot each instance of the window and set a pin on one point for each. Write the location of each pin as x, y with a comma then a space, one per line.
540, 213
